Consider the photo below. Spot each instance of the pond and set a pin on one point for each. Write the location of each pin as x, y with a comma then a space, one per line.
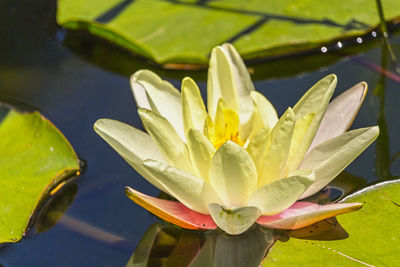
75, 80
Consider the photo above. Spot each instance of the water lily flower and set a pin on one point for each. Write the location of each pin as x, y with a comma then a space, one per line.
236, 163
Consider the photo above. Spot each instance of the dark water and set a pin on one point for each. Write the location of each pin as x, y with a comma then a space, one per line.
102, 227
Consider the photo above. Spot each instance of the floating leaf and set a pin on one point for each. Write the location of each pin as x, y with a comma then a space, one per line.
186, 31
35, 158
374, 235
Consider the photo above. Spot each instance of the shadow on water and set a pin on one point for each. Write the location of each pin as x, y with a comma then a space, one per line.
113, 58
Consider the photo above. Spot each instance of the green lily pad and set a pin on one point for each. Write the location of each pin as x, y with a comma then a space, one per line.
185, 31
35, 158
374, 235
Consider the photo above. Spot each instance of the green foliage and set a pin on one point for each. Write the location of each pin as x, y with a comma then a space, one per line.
374, 235
185, 31
34, 158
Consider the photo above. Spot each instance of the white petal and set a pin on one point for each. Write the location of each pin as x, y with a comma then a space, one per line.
229, 79
133, 145
266, 109
234, 221
281, 194
139, 94
328, 159
340, 113
300, 130
201, 152
191, 191
316, 101
302, 214
194, 111
163, 97
242, 83
233, 174
252, 126
278, 151
258, 148
167, 140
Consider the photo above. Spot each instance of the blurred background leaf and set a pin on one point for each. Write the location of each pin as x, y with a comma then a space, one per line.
185, 31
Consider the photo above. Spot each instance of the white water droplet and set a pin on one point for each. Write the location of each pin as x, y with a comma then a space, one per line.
359, 40
339, 44
324, 49
374, 33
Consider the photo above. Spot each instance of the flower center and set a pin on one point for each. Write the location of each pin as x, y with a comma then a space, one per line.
225, 128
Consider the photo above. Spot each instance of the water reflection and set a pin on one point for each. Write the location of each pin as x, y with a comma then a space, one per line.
113, 58
55, 207
168, 246
383, 155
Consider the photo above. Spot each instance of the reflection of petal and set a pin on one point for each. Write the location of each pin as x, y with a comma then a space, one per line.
172, 211
340, 114
141, 255
248, 249
328, 229
302, 214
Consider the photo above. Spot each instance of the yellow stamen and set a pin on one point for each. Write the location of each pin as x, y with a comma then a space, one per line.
225, 128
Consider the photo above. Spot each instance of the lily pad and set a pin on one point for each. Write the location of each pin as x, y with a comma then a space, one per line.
374, 235
35, 158
185, 31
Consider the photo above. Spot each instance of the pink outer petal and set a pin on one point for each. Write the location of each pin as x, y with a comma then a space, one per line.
302, 214
340, 114
172, 211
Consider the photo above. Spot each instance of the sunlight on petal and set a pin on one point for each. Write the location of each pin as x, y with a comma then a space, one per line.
193, 108
163, 97
331, 157
234, 221
266, 109
201, 152
302, 214
132, 144
281, 194
316, 101
167, 140
278, 152
192, 191
340, 114
172, 211
233, 174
